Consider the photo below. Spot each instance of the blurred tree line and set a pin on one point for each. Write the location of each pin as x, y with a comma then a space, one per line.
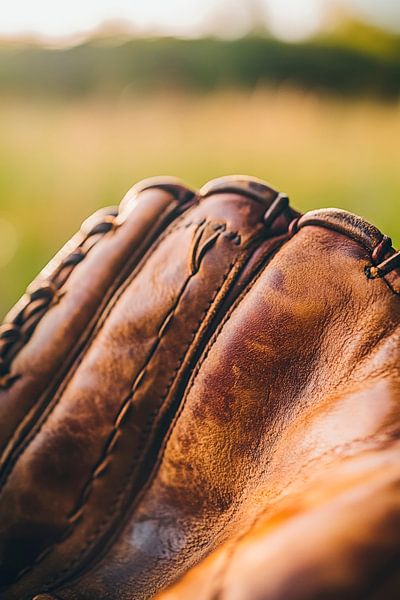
354, 59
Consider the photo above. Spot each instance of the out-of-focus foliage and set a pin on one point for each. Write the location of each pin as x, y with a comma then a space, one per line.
59, 161
79, 126
353, 59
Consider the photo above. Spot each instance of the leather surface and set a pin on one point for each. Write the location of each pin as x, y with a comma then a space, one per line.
214, 399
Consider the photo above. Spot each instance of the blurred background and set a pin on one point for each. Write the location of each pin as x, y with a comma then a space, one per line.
96, 95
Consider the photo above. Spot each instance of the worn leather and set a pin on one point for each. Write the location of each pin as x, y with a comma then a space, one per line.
206, 398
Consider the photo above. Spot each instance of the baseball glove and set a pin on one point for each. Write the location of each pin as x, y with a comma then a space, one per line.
202, 390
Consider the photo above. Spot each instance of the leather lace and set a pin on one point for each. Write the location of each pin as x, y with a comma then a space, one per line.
384, 267
16, 332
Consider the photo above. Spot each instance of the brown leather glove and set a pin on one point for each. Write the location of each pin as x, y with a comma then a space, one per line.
204, 378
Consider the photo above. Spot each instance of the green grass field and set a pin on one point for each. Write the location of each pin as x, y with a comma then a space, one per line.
60, 161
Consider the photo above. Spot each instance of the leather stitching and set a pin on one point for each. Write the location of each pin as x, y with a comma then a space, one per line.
123, 411
157, 465
118, 423
13, 458
297, 225
104, 524
12, 335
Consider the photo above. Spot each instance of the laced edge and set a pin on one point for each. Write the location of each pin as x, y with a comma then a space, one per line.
380, 266
46, 291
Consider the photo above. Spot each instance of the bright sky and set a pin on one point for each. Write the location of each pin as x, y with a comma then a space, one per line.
286, 18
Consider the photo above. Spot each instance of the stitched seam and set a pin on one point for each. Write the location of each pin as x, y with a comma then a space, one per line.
123, 412
204, 357
105, 521
104, 524
54, 284
212, 341
118, 423
102, 310
107, 310
102, 228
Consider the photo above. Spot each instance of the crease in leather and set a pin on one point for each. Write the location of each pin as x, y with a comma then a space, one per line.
261, 238
83, 339
99, 322
197, 250
383, 438
58, 581
126, 403
55, 581
182, 408
105, 523
335, 449
251, 246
